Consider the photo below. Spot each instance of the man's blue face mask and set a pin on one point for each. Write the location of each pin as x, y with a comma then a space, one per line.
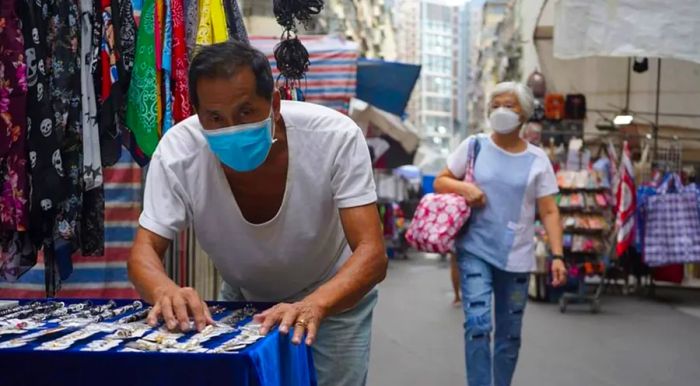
244, 147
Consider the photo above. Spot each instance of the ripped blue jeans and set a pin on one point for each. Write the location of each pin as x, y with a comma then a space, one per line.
482, 284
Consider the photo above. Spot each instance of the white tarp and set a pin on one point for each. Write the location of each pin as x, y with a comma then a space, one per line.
651, 28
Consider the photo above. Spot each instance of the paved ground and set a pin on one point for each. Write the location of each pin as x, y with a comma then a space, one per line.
636, 341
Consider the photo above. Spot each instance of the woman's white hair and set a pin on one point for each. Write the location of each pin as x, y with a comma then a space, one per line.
521, 91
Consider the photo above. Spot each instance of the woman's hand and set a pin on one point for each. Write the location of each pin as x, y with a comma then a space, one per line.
559, 274
474, 196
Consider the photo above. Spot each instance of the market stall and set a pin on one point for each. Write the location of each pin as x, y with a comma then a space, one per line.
107, 342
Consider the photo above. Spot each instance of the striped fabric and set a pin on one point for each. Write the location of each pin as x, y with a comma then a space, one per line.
98, 277
332, 77
626, 206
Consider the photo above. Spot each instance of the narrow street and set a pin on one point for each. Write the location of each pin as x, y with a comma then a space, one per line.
636, 341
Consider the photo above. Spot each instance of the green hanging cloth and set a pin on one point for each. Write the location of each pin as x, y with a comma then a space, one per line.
142, 105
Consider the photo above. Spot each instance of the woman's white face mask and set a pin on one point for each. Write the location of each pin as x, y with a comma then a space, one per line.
504, 120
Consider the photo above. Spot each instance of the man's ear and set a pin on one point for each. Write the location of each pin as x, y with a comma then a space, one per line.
276, 104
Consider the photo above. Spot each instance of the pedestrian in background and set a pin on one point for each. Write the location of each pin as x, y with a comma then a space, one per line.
496, 251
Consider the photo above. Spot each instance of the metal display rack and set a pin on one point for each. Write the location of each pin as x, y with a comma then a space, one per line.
579, 259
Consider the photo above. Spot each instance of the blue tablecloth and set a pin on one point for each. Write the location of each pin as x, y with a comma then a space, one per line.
272, 361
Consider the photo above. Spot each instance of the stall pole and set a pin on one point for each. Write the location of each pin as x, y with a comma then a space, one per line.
656, 113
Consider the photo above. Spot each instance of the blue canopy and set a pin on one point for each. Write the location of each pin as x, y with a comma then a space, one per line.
386, 85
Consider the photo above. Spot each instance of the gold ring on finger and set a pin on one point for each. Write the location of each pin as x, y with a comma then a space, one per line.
301, 323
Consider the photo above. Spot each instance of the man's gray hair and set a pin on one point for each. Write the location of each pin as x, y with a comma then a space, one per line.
521, 91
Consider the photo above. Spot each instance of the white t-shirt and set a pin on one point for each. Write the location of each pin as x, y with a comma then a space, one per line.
299, 249
512, 183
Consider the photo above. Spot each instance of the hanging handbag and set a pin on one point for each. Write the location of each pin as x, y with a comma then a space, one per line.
439, 217
554, 107
672, 229
575, 106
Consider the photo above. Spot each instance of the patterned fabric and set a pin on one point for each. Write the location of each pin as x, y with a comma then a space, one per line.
626, 202
64, 37
693, 188
17, 255
672, 233
167, 67
137, 6
234, 21
101, 276
125, 29
181, 100
332, 77
643, 194
110, 141
204, 33
47, 182
192, 21
92, 160
212, 23
158, 34
16, 252
142, 113
110, 75
92, 241
125, 26
96, 65
13, 124
439, 217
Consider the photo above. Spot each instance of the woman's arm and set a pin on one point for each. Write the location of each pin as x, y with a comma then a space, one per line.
549, 215
446, 182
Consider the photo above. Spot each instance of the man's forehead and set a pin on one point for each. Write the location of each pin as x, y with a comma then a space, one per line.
229, 90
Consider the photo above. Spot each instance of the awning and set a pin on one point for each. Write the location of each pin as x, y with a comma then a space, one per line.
624, 28
367, 116
386, 85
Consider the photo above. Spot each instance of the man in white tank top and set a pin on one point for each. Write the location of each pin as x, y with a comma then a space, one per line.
282, 199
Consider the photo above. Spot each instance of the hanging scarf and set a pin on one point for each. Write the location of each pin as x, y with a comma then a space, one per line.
125, 45
192, 21
16, 255
234, 21
137, 6
626, 202
212, 23
158, 34
218, 21
64, 36
181, 102
107, 53
92, 160
48, 187
204, 33
167, 67
110, 135
13, 123
142, 104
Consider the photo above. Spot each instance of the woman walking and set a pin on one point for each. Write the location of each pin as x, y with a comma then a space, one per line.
512, 180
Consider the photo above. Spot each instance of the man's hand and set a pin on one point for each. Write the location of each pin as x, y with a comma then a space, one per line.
474, 196
304, 316
559, 274
176, 305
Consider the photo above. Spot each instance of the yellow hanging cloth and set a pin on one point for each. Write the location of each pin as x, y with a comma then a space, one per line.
218, 21
204, 31
212, 22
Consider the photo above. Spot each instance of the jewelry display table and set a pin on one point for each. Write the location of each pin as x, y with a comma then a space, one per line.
106, 342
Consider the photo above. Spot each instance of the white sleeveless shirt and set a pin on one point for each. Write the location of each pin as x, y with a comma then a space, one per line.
300, 248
